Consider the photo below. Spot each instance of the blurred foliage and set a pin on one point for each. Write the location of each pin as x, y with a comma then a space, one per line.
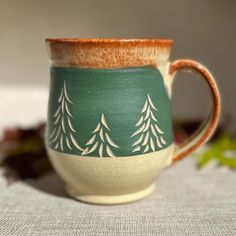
223, 150
23, 154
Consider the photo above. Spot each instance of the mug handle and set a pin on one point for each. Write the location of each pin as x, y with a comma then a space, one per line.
205, 131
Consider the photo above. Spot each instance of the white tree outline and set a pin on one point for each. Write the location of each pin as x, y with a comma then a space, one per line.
62, 117
150, 135
100, 140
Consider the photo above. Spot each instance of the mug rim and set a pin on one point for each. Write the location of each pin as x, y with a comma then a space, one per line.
142, 41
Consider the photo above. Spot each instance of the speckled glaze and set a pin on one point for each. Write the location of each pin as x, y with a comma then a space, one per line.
108, 53
109, 131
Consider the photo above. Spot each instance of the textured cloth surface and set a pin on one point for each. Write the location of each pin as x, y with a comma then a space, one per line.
187, 201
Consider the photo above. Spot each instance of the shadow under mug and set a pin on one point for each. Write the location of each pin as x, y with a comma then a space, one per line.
109, 129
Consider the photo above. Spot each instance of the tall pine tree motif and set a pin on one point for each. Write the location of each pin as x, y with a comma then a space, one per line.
149, 134
100, 142
63, 132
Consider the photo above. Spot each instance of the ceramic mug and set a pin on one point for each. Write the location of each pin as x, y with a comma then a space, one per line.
109, 129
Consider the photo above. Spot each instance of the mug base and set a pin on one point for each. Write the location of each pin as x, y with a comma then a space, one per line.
110, 199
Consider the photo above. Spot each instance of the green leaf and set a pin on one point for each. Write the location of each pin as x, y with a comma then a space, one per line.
205, 158
218, 151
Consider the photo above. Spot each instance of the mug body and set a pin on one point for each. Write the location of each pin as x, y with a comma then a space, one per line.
109, 129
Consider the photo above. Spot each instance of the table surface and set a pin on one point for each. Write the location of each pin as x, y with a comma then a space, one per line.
187, 201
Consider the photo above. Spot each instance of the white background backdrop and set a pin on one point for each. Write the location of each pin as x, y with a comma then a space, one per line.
203, 30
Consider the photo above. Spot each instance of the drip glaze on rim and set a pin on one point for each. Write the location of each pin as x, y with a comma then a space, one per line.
108, 53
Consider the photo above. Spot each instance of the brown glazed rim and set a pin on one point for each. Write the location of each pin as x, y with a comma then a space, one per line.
107, 41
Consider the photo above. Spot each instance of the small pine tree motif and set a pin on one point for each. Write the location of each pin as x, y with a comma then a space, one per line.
149, 134
62, 119
100, 142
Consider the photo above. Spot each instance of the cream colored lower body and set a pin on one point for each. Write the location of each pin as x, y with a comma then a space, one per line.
109, 180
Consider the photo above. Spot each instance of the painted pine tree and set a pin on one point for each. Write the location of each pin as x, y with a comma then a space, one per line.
62, 134
100, 143
149, 134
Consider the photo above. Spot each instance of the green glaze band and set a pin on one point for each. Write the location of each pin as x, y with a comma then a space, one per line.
108, 112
